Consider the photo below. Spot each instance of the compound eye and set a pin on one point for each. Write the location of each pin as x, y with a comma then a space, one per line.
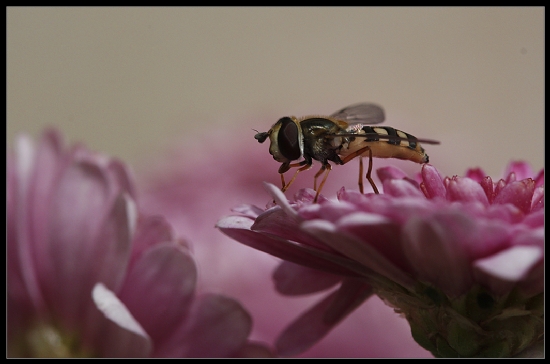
287, 139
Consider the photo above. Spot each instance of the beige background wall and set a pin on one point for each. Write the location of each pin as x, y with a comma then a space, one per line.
132, 81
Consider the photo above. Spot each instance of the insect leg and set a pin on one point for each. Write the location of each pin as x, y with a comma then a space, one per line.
327, 168
358, 153
369, 172
321, 170
306, 165
361, 175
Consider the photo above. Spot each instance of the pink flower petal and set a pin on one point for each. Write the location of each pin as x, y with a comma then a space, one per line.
35, 170
433, 183
505, 213
511, 264
112, 250
235, 222
23, 292
159, 288
535, 219
275, 221
435, 250
293, 279
79, 208
493, 234
520, 169
216, 327
379, 232
254, 350
350, 196
248, 210
477, 174
25, 160
235, 227
86, 243
401, 188
466, 190
533, 282
328, 211
307, 195
311, 326
498, 187
518, 193
539, 179
122, 176
487, 186
390, 173
117, 333
113, 309
110, 266
534, 236
280, 198
150, 231
537, 202
357, 250
502, 271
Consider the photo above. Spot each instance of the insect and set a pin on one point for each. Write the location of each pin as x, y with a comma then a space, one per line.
339, 138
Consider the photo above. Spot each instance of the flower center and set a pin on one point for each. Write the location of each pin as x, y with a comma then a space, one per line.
47, 341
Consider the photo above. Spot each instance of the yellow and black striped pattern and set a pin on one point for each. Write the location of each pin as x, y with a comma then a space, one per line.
387, 142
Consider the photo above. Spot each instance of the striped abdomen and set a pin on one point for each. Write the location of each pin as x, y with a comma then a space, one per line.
376, 137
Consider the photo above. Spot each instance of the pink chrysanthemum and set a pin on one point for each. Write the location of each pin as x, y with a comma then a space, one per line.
191, 193
88, 275
460, 258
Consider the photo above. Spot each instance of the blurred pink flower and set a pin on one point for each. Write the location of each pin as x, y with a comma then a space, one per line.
460, 258
203, 179
87, 275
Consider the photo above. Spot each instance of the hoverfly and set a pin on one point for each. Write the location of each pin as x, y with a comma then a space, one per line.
339, 138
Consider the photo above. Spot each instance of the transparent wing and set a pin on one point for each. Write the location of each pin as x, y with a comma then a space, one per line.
363, 113
376, 137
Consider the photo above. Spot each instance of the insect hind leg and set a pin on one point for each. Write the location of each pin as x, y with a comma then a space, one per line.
369, 170
361, 175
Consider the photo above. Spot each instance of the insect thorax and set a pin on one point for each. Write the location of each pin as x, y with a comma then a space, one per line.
320, 142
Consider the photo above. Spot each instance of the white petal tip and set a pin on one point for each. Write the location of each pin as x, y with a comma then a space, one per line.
113, 309
280, 199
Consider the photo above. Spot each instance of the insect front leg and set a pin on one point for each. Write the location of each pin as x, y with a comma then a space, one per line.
282, 169
306, 164
369, 170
